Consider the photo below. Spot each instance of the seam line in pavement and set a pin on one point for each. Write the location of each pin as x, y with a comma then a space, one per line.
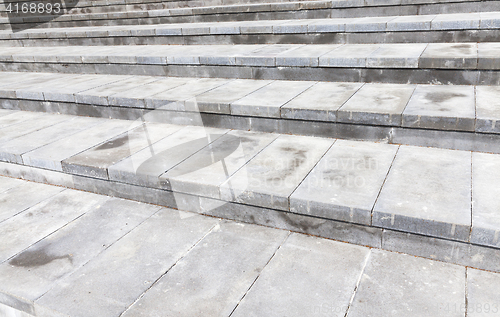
358, 282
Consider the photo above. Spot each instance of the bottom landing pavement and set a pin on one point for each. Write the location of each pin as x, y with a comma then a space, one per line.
65, 252
429, 202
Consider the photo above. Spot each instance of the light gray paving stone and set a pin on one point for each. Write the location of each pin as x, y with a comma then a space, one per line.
41, 220
7, 183
106, 287
16, 199
6, 112
482, 293
304, 56
326, 25
271, 177
259, 27
377, 104
29, 126
95, 161
441, 107
488, 56
8, 78
459, 21
395, 284
349, 55
346, 182
449, 55
8, 91
411, 23
50, 156
34, 91
37, 269
368, 24
218, 100
433, 197
485, 191
263, 55
323, 276
294, 26
234, 254
145, 167
19, 117
320, 102
203, 172
12, 150
487, 105
267, 101
489, 20
396, 56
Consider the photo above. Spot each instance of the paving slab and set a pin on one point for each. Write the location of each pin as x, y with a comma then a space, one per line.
7, 183
233, 253
18, 117
482, 293
267, 101
28, 126
411, 23
95, 161
44, 218
485, 191
107, 287
264, 55
6, 112
50, 156
442, 108
346, 182
377, 104
320, 102
396, 56
458, 21
145, 167
12, 151
427, 191
323, 276
488, 56
271, 176
15, 200
304, 56
33, 272
349, 55
368, 24
487, 105
203, 172
395, 284
445, 55
8, 90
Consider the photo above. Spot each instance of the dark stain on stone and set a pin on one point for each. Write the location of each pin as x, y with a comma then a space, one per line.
299, 158
114, 143
442, 96
36, 258
302, 225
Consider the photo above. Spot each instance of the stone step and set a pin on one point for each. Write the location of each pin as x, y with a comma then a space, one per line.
424, 200
420, 63
320, 9
453, 117
470, 27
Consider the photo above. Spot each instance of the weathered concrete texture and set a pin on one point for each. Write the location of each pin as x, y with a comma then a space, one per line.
348, 56
488, 55
233, 253
95, 161
427, 191
345, 184
203, 172
482, 293
28, 126
271, 177
7, 183
441, 108
18, 117
144, 167
396, 56
487, 109
106, 287
443, 55
485, 193
395, 285
320, 102
321, 279
379, 104
305, 56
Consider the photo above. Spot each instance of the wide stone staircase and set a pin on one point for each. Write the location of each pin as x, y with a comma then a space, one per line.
371, 122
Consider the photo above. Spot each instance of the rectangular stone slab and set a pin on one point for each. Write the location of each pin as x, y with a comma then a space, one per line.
203, 172
320, 102
322, 272
47, 262
428, 191
304, 56
95, 161
488, 55
7, 183
346, 182
441, 107
349, 55
271, 176
29, 126
399, 284
50, 156
445, 55
485, 193
482, 293
267, 101
377, 104
100, 287
487, 109
18, 117
145, 167
222, 267
396, 56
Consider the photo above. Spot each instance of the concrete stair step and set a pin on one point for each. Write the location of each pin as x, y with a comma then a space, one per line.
470, 27
368, 193
453, 117
420, 63
320, 9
